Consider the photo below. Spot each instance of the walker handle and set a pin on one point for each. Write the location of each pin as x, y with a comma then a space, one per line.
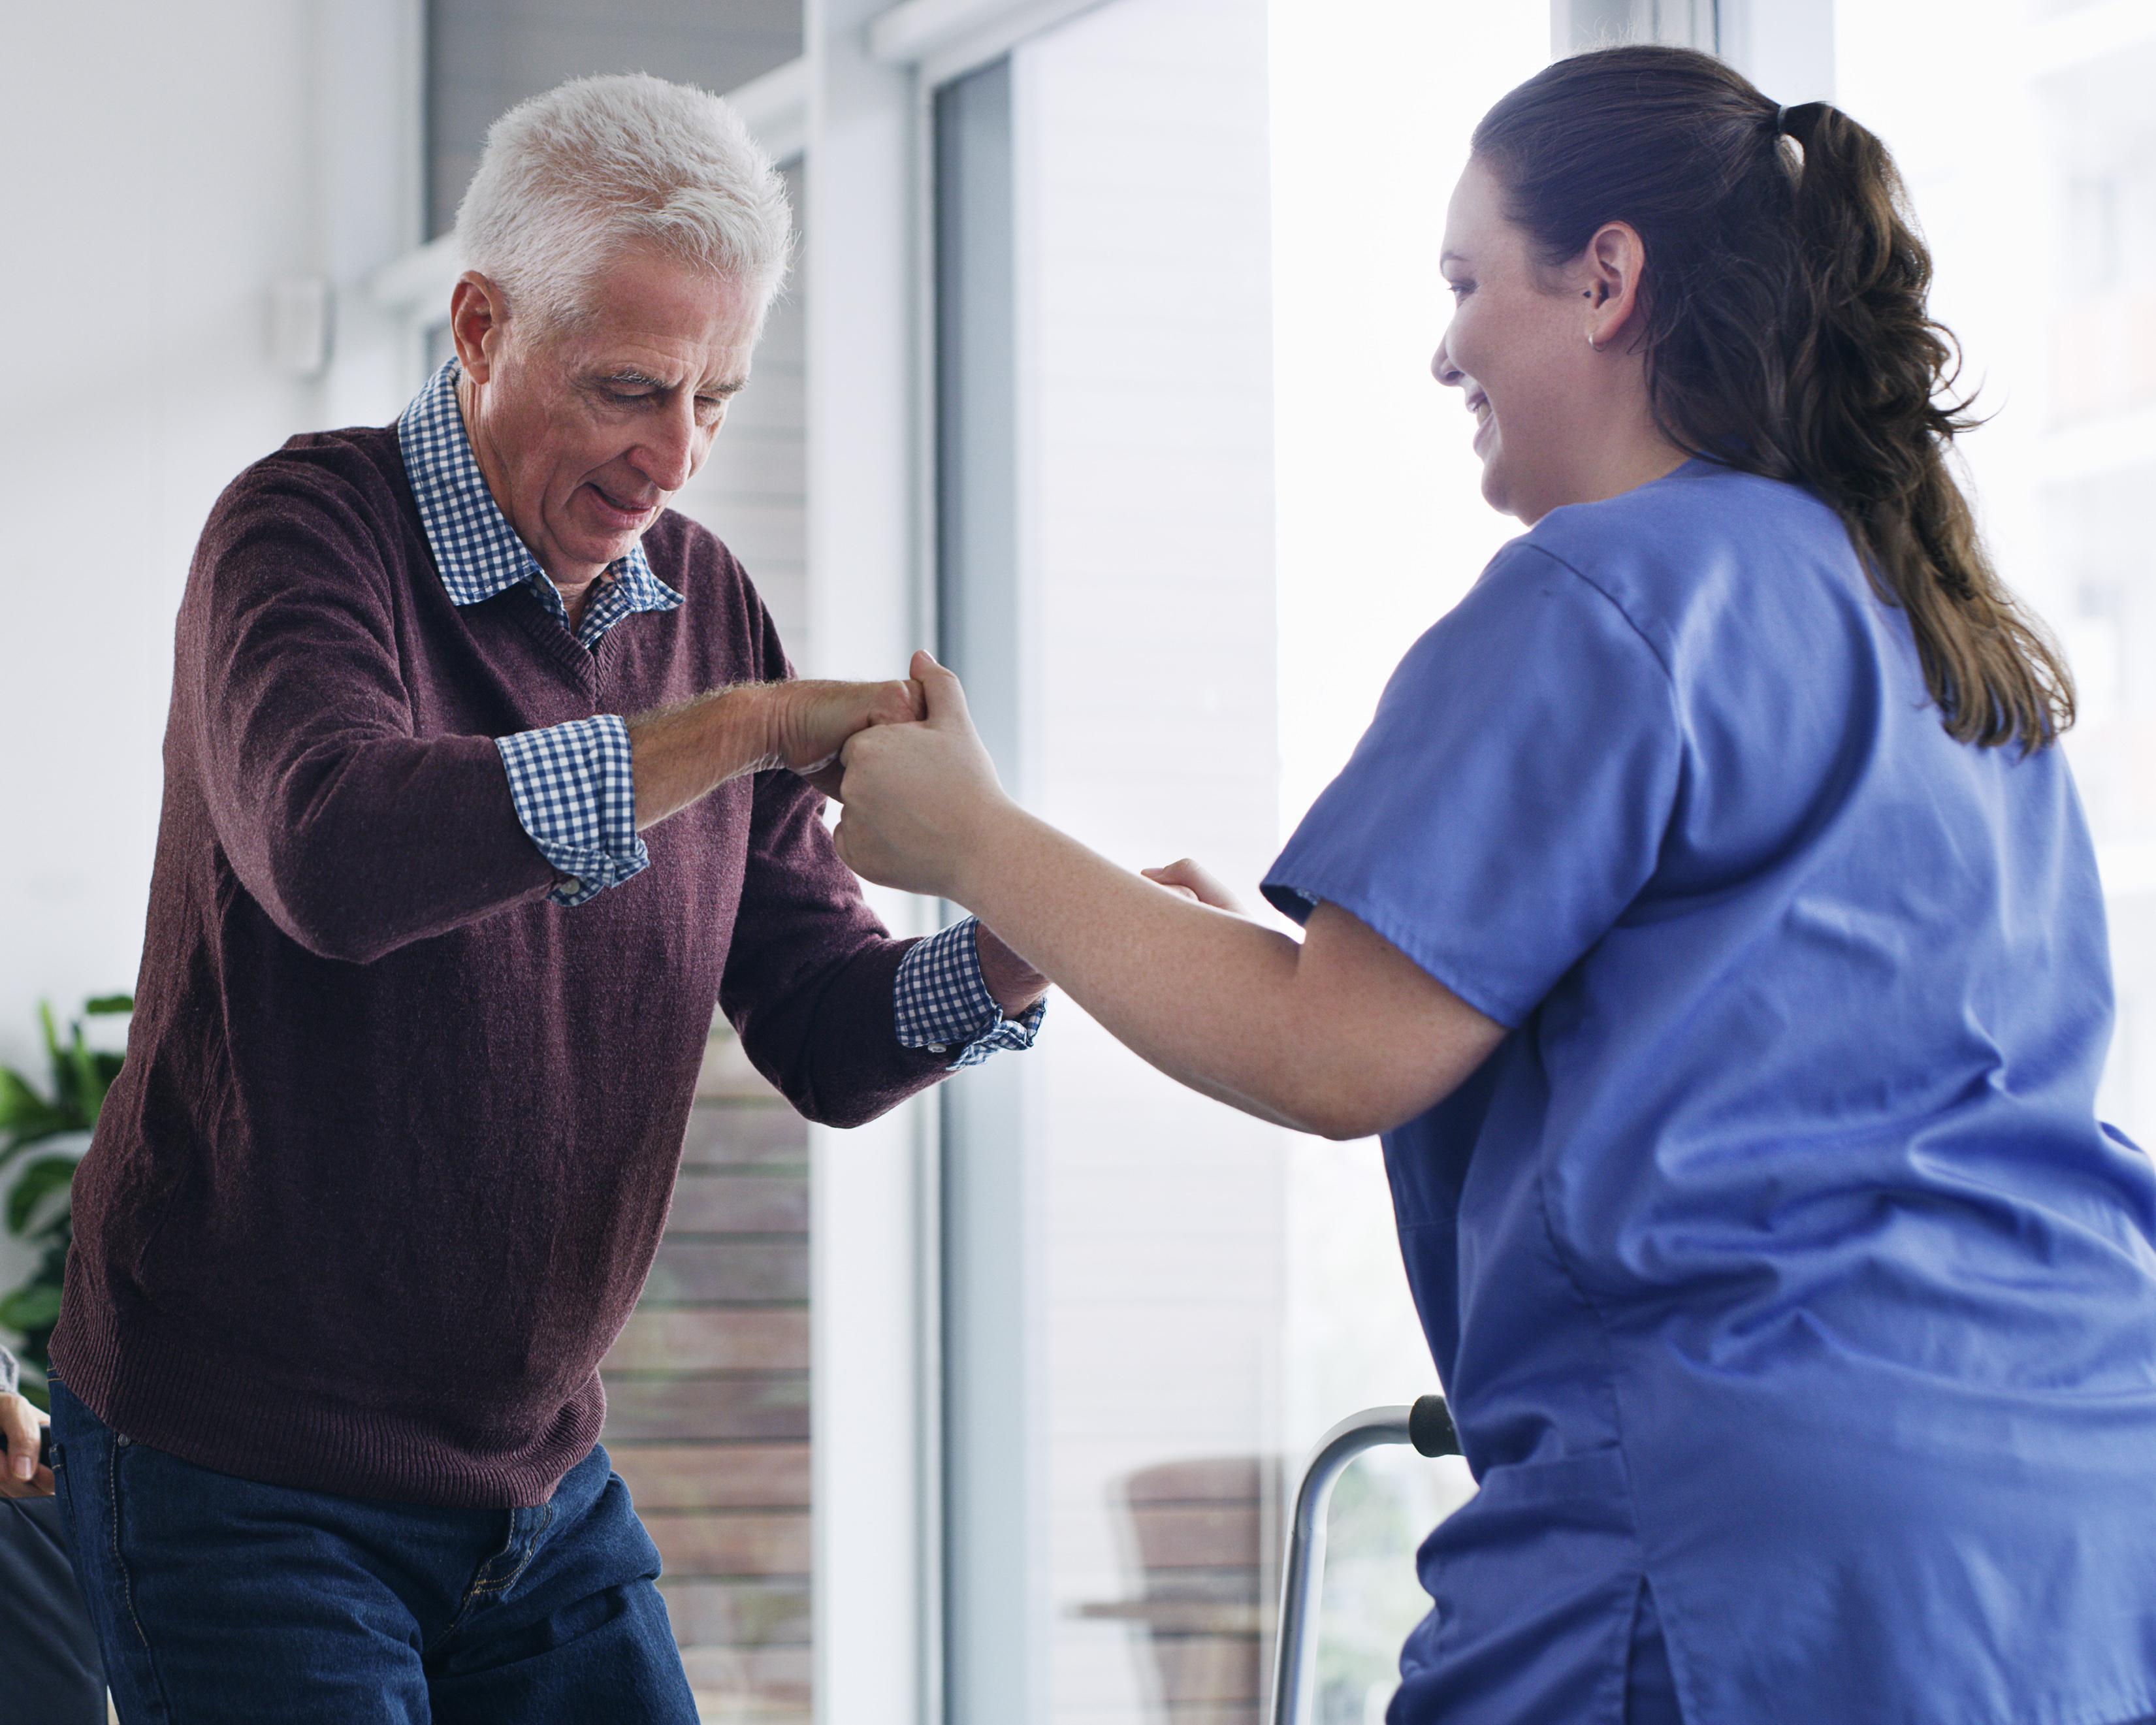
1430, 1429
1428, 1426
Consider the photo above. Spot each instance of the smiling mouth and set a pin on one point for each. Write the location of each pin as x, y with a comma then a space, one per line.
629, 513
1478, 404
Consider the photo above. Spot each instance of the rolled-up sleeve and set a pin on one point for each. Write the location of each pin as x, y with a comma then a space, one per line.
575, 793
944, 1004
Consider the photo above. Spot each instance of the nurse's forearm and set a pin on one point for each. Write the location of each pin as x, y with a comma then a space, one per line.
1202, 995
1216, 1002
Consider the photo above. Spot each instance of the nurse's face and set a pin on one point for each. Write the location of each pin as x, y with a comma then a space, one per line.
1517, 349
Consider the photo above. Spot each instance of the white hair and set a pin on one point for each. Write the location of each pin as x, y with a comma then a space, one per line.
568, 179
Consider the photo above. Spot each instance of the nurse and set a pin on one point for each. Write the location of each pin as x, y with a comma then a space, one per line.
1708, 925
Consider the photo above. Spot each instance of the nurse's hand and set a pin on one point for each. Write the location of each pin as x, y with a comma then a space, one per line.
922, 799
1192, 882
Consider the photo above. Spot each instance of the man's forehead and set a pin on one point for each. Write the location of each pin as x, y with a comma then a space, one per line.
719, 374
667, 321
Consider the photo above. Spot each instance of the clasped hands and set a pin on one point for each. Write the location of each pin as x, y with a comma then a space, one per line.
924, 811
828, 733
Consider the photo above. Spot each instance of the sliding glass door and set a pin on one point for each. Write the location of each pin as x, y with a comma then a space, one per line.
1196, 492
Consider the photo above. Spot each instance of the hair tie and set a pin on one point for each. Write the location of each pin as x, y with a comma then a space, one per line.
1781, 121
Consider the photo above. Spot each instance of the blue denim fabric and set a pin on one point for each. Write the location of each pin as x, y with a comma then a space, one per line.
48, 1669
220, 1601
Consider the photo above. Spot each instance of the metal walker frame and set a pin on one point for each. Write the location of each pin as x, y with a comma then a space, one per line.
1428, 1426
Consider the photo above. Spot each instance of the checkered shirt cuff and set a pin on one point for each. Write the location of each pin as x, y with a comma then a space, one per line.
944, 1004
576, 795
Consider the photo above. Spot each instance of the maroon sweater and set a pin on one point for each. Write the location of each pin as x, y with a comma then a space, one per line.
394, 1144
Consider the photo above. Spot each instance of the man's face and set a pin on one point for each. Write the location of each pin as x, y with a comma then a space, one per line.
584, 433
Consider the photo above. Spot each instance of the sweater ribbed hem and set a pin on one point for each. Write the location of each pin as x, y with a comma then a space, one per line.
219, 1412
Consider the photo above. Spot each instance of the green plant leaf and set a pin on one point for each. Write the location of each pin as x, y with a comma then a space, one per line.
53, 1057
38, 1180
88, 1093
21, 1141
35, 1306
21, 1109
54, 1232
106, 1006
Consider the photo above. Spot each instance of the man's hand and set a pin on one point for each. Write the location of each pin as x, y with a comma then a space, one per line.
22, 1423
810, 721
688, 751
921, 798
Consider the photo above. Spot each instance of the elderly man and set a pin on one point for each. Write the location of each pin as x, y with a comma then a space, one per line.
435, 941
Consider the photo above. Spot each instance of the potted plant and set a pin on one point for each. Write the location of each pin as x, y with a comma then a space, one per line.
59, 1128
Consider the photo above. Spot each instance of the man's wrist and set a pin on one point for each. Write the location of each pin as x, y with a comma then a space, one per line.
679, 755
737, 730
1016, 985
748, 725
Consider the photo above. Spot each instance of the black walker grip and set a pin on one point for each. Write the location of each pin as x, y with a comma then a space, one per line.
1430, 1429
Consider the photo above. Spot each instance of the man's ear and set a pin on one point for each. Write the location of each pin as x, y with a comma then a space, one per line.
1615, 261
478, 316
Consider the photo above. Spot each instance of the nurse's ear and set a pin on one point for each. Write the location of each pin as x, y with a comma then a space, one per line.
1608, 275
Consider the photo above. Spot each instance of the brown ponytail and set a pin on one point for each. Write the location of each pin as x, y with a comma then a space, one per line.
1787, 334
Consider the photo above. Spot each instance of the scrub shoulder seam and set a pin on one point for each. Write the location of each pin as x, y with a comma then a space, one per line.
1608, 598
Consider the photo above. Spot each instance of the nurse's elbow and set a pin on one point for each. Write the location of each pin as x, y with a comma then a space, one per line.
1346, 1128
1344, 1098
1337, 1105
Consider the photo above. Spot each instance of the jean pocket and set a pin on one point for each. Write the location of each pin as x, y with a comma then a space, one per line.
61, 1493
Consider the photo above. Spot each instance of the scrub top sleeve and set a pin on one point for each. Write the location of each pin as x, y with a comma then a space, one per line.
1510, 799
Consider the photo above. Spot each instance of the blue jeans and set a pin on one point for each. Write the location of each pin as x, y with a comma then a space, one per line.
219, 1601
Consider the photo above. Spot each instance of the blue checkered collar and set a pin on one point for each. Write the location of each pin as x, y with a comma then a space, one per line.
477, 552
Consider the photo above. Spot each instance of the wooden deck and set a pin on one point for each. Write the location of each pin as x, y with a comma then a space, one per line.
707, 1401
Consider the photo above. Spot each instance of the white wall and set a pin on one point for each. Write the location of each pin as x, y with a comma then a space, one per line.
162, 166
159, 179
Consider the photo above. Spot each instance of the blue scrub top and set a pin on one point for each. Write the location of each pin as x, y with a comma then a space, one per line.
1776, 1265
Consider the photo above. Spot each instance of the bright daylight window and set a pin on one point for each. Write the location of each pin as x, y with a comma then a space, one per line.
2025, 132
1381, 528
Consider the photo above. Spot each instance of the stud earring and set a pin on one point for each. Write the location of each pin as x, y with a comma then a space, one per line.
1592, 342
